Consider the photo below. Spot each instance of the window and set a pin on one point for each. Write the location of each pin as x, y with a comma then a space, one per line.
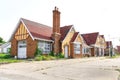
45, 47
77, 48
22, 44
85, 50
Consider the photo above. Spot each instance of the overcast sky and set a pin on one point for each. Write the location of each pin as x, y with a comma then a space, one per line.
86, 15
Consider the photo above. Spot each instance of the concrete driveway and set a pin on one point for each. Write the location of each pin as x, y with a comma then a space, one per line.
69, 69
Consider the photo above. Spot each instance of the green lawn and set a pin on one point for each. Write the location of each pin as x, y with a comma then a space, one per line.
6, 58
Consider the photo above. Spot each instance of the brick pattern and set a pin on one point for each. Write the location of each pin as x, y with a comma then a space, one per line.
67, 40
57, 45
14, 47
56, 20
72, 54
56, 31
92, 52
72, 50
31, 47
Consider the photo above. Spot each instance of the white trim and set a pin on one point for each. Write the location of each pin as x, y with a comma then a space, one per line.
45, 46
22, 49
76, 37
27, 29
66, 53
68, 32
43, 39
85, 45
97, 38
76, 42
20, 20
77, 49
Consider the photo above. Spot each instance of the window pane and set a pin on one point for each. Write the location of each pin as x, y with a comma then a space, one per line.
45, 47
77, 48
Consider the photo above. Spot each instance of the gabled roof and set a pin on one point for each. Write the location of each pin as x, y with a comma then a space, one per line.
90, 38
74, 36
64, 31
38, 30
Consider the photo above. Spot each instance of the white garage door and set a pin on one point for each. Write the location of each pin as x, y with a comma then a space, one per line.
22, 49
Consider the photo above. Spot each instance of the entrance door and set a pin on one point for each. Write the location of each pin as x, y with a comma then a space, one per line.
66, 51
22, 49
100, 51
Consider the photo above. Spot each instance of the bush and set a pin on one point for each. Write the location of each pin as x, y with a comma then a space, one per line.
50, 56
9, 50
5, 56
38, 58
51, 53
60, 55
38, 52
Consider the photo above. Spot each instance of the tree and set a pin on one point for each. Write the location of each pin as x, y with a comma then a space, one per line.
1, 40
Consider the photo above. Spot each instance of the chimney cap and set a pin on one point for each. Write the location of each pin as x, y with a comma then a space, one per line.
56, 8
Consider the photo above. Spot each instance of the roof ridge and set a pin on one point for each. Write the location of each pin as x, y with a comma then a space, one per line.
91, 33
34, 22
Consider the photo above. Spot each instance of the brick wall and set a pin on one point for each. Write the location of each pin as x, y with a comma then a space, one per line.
14, 47
73, 55
31, 47
92, 52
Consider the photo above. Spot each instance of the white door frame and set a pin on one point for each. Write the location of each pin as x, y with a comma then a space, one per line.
22, 49
66, 53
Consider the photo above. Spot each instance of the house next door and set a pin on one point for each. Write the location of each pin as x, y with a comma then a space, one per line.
22, 49
66, 51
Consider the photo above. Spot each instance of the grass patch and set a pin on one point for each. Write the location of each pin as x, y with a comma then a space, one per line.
50, 56
115, 56
4, 56
7, 58
44, 57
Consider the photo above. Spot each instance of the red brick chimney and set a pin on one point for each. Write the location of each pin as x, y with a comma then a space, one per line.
56, 20
56, 31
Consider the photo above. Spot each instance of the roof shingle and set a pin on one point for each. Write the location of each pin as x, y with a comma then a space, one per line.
64, 31
90, 38
74, 36
38, 30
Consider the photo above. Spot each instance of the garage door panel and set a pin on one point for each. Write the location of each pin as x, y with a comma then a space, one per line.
22, 49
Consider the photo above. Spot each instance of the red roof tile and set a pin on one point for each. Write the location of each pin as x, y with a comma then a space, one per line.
64, 31
38, 30
90, 38
74, 36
